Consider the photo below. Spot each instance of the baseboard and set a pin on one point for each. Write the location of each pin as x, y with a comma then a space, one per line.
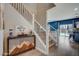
41, 50
5, 54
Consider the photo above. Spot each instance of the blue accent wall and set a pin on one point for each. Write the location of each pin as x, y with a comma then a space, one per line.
65, 22
53, 24
61, 22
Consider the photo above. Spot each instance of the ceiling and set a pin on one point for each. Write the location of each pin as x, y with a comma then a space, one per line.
63, 11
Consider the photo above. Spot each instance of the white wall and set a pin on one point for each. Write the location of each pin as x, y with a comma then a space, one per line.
39, 9
0, 16
12, 19
1, 42
40, 15
62, 11
32, 7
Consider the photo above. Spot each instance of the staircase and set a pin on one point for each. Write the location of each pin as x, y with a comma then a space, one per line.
29, 17
23, 11
53, 35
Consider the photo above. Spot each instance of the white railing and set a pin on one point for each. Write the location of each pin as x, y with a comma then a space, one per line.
41, 34
53, 34
23, 11
40, 25
40, 31
31, 18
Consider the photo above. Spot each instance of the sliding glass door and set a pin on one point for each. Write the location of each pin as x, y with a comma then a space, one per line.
66, 29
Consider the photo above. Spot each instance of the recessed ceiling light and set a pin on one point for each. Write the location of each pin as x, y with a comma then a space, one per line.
75, 9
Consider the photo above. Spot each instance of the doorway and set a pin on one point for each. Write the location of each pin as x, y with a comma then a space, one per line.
65, 30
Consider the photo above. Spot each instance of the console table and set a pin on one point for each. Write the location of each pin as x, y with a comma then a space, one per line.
19, 37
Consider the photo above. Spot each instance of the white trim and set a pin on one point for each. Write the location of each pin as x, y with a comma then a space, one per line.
53, 38
40, 25
51, 45
55, 20
56, 40
33, 20
47, 39
41, 42
51, 26
41, 50
39, 38
36, 33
